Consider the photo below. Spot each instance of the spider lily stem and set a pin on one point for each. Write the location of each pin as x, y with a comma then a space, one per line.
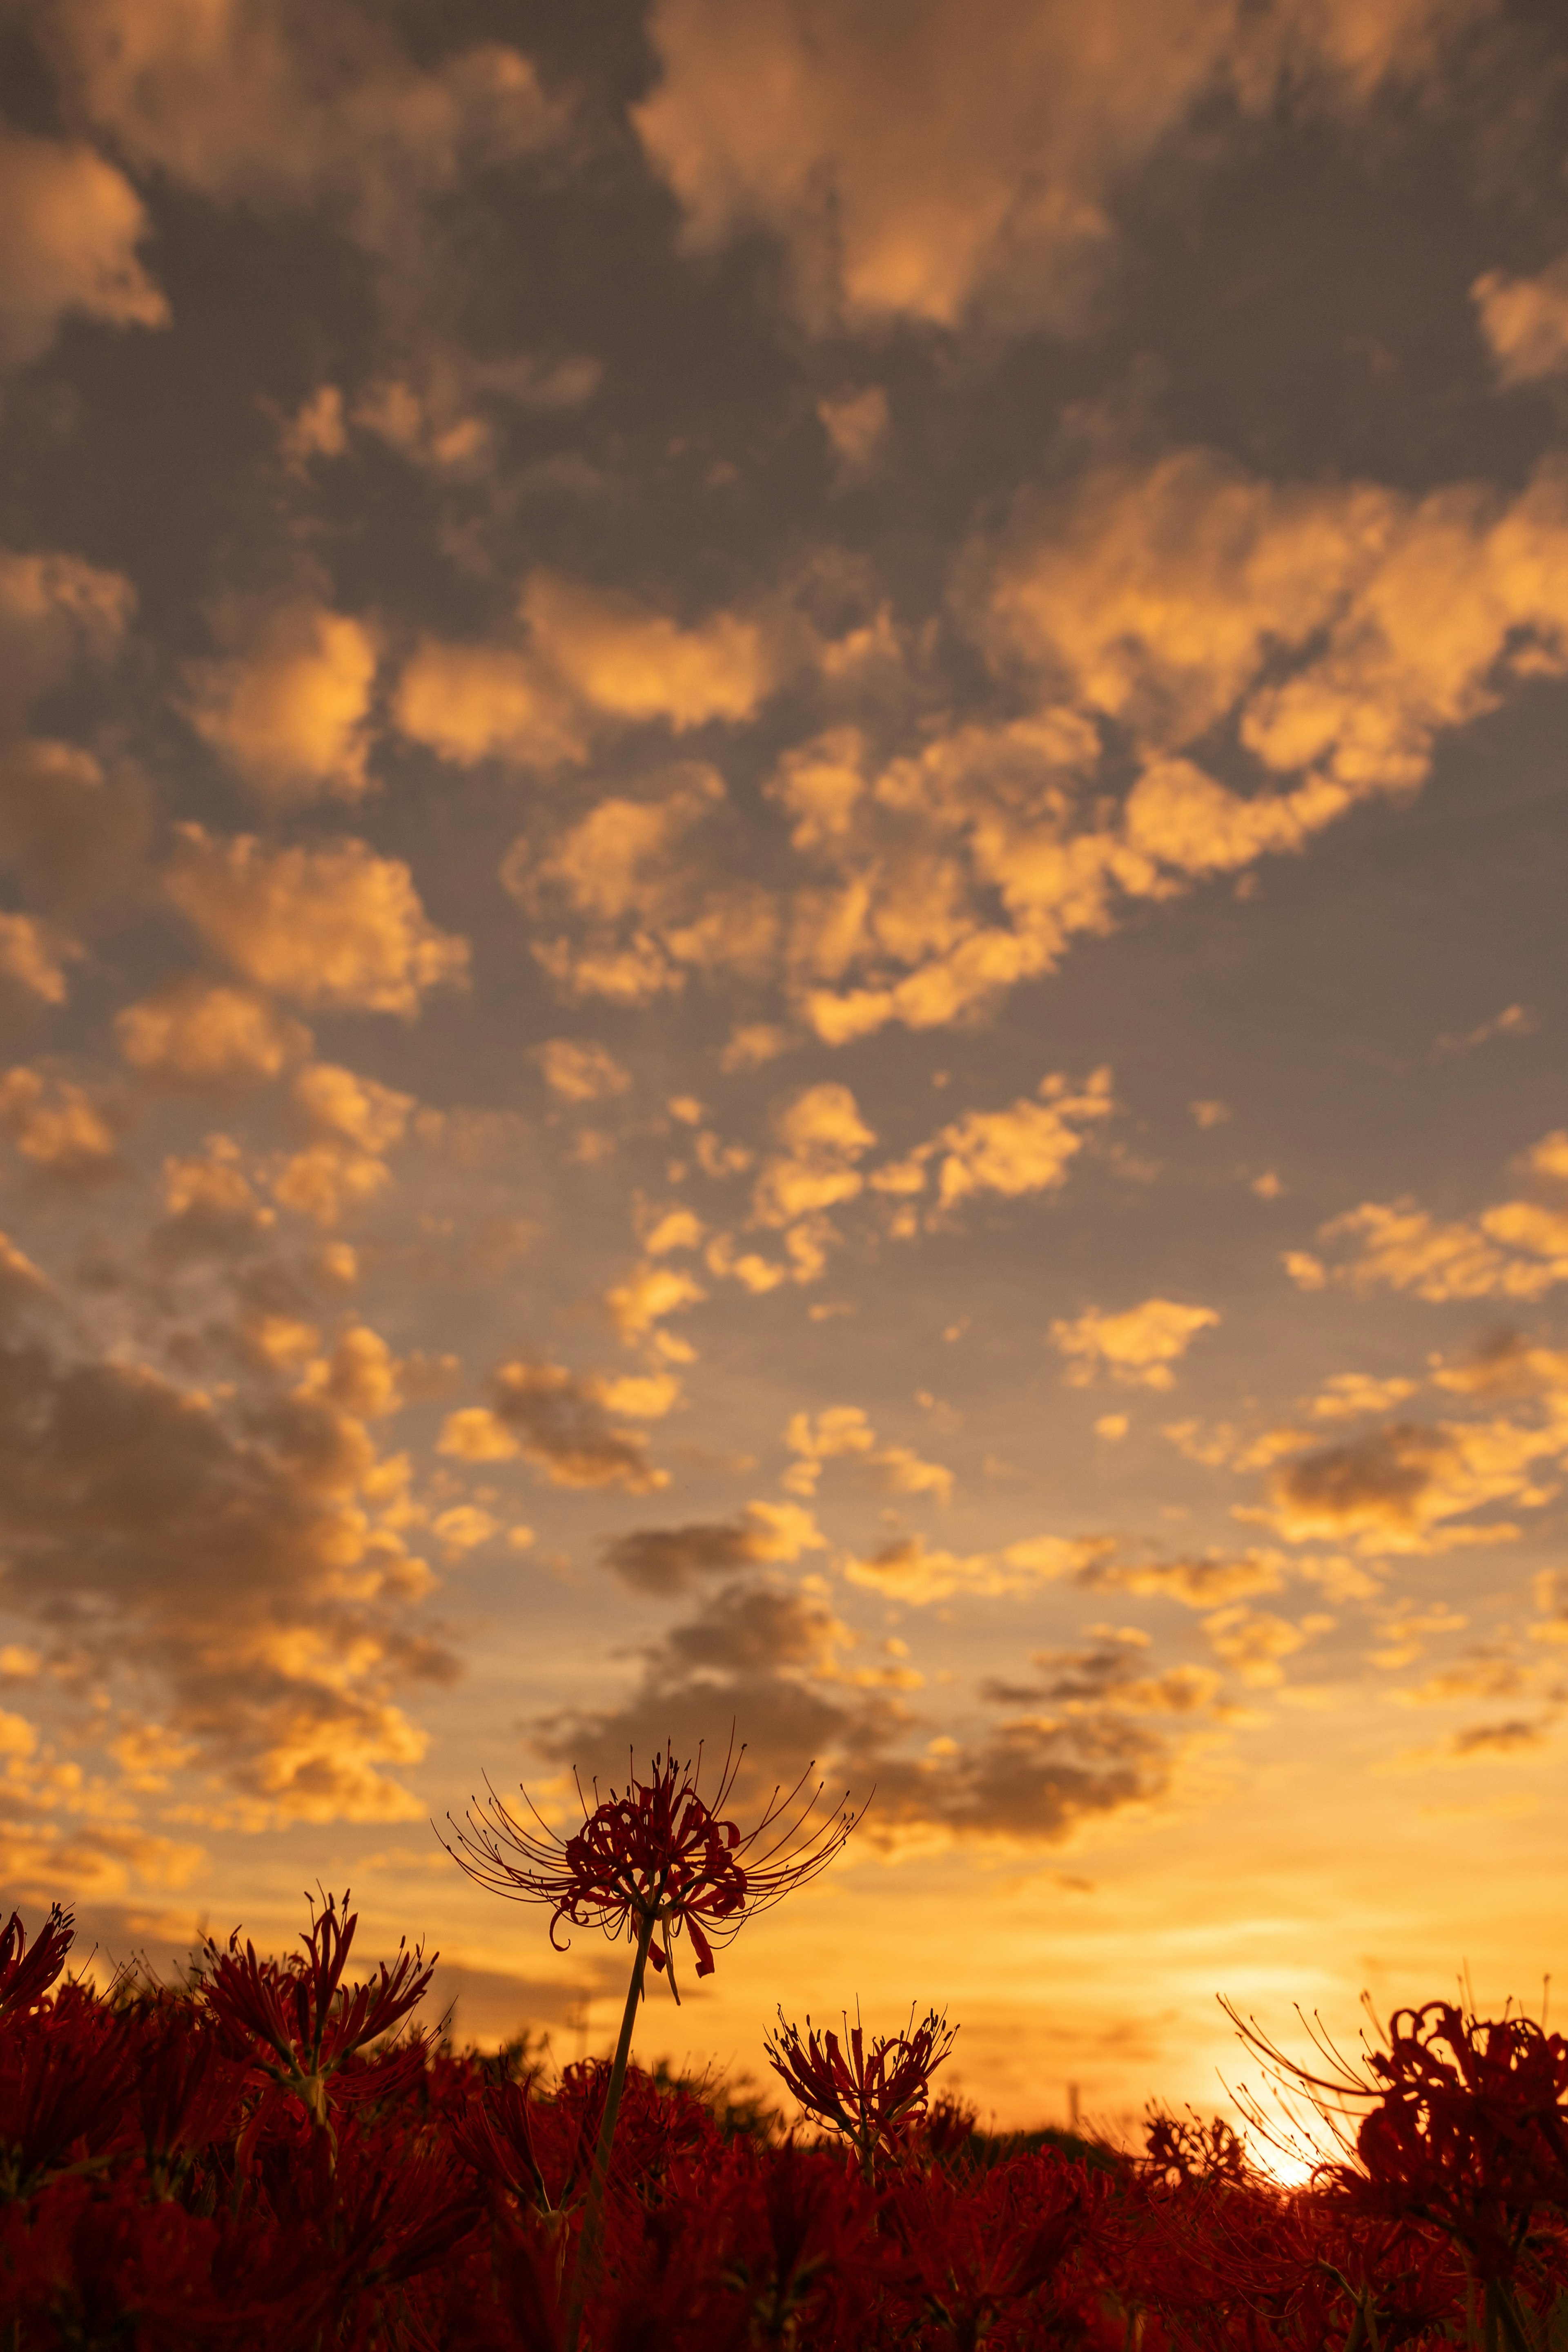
593, 2220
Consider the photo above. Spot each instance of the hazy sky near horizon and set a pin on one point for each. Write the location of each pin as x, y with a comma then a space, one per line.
781, 797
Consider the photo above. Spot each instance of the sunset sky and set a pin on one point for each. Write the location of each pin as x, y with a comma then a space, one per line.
781, 787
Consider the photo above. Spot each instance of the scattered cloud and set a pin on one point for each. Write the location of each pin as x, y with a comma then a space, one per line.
982, 178
666, 1560
76, 223
332, 926
1525, 321
289, 713
580, 1070
1137, 1346
193, 1034
557, 1421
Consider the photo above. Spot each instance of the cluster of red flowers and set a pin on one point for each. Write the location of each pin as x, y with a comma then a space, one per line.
267, 2154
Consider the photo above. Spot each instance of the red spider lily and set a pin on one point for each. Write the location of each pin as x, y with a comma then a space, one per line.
658, 1857
26, 1975
301, 2010
1462, 2122
871, 2100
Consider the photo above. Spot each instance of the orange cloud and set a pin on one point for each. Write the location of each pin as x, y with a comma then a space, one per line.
633, 664
1137, 1346
330, 926
290, 713
1525, 321
256, 104
556, 1420
193, 1034
981, 173
580, 1070
75, 225
57, 1127
469, 703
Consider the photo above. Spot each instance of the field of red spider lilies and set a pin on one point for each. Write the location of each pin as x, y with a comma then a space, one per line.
269, 2154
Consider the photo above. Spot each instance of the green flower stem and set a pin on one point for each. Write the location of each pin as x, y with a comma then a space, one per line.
588, 2254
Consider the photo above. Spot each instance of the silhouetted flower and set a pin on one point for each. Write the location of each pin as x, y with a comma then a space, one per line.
299, 2009
26, 1974
657, 1855
869, 2099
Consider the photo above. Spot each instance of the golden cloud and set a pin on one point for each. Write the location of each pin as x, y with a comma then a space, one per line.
290, 713
76, 223
580, 1070
633, 664
469, 703
193, 1034
243, 1571
982, 173
908, 1569
558, 1422
266, 107
333, 926
1525, 321
1137, 1346
58, 1128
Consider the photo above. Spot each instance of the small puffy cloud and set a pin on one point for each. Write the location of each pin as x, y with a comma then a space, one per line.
34, 956
1028, 1149
331, 926
665, 1560
557, 1421
193, 1034
635, 896
633, 664
1205, 1581
909, 1569
1525, 321
1345, 1395
55, 610
212, 1211
1255, 1642
328, 1181
345, 1103
643, 1298
1515, 1250
58, 1127
580, 1070
469, 703
1210, 1113
843, 1432
822, 1136
289, 714
1137, 1346
71, 245
820, 784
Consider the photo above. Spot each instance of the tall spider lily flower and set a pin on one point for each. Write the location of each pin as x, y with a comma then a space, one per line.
871, 2097
1460, 2122
299, 2010
649, 1863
